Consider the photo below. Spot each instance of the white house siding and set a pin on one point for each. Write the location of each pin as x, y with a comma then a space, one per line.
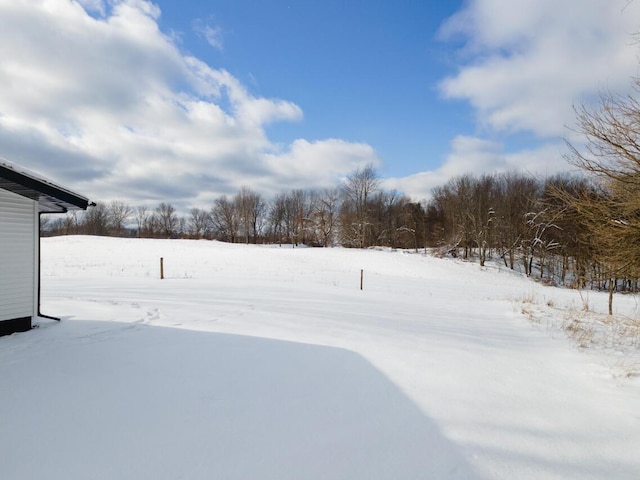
18, 251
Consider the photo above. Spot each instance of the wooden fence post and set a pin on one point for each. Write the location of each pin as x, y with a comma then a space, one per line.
161, 268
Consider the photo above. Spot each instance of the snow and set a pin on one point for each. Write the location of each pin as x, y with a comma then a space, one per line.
256, 362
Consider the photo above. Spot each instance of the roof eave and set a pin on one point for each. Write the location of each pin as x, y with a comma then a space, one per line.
51, 198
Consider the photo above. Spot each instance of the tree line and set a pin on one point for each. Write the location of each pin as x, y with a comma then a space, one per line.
580, 231
357, 213
516, 218
523, 221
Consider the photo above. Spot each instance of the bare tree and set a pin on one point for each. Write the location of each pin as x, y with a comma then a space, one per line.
412, 224
517, 195
142, 216
96, 220
199, 222
357, 190
72, 223
325, 215
482, 213
298, 215
119, 212
62, 225
541, 240
251, 209
277, 213
167, 219
225, 219
457, 197
182, 229
612, 155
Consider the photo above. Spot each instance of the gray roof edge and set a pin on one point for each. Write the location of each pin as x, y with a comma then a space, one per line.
38, 183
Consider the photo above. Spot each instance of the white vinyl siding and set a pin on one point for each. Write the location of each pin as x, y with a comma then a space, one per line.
18, 230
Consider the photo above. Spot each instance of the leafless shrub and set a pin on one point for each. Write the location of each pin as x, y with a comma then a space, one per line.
581, 331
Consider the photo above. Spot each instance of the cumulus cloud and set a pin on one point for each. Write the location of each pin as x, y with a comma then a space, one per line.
523, 66
298, 165
477, 156
111, 106
526, 63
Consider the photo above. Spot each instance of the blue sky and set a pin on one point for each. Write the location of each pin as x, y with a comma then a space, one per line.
183, 101
364, 71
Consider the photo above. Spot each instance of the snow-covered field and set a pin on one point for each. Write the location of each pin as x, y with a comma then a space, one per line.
252, 362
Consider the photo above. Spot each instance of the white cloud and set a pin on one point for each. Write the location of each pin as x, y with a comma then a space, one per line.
211, 33
525, 63
319, 163
522, 67
472, 155
113, 108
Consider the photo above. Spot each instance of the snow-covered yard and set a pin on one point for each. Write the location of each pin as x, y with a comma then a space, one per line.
253, 362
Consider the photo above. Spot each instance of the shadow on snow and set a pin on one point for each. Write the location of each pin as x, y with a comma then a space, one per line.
111, 400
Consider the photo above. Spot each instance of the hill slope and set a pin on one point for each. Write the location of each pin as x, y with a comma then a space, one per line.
270, 363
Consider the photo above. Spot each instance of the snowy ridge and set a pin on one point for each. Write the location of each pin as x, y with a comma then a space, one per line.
252, 362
